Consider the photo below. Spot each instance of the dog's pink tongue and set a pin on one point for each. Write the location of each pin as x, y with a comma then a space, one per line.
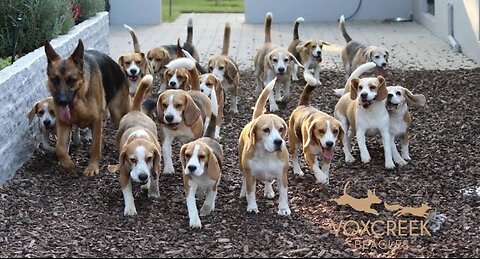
64, 112
328, 154
381, 71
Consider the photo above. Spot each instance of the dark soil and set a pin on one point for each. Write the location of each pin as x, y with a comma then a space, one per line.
47, 212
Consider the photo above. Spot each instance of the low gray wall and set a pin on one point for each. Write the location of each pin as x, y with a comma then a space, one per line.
136, 12
23, 83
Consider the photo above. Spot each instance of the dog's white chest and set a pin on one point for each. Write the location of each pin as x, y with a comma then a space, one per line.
375, 117
266, 166
398, 126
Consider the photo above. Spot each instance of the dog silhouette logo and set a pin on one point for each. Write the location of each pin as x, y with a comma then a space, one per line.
361, 205
415, 211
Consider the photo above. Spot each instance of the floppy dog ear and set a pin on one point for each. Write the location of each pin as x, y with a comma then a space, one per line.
325, 43
156, 161
253, 136
32, 113
367, 55
191, 112
354, 88
213, 167
50, 53
382, 92
418, 99
121, 162
231, 70
165, 77
182, 156
285, 129
295, 60
341, 133
302, 46
160, 107
77, 55
310, 135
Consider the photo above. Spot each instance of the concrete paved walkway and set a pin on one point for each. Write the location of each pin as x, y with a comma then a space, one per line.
410, 44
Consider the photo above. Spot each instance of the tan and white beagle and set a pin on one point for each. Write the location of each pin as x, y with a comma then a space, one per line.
226, 70
202, 168
356, 53
315, 132
208, 82
182, 74
263, 155
139, 150
186, 115
309, 52
270, 62
397, 102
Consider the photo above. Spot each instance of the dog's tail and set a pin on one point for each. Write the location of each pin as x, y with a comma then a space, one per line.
262, 99
143, 87
213, 120
295, 28
393, 207
197, 64
343, 30
355, 74
181, 63
136, 46
226, 39
345, 188
268, 27
190, 31
308, 89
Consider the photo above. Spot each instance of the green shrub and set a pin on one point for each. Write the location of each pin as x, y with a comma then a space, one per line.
40, 21
5, 62
90, 8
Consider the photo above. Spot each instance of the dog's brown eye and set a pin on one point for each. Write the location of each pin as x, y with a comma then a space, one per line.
377, 56
128, 63
210, 68
164, 106
52, 112
178, 106
360, 87
133, 160
149, 159
266, 130
335, 131
275, 60
41, 113
280, 130
201, 157
321, 131
187, 156
55, 80
372, 87
158, 59
398, 93
285, 60
71, 81
221, 68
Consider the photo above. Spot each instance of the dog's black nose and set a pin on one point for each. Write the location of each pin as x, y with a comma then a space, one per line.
319, 52
384, 64
281, 69
329, 143
47, 123
143, 177
364, 95
63, 100
172, 83
389, 96
192, 168
133, 71
169, 118
278, 142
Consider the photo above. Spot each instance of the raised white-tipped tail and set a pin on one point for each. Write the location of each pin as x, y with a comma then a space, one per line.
213, 99
130, 29
262, 99
187, 55
300, 20
362, 69
181, 63
342, 18
339, 92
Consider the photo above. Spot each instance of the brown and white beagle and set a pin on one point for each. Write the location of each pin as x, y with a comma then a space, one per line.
182, 74
315, 132
270, 62
139, 150
309, 52
226, 70
208, 83
263, 155
202, 168
186, 115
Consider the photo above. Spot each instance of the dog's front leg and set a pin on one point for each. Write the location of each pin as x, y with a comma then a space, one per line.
251, 186
126, 185
362, 145
61, 147
167, 155
396, 156
283, 208
296, 165
316, 73
45, 141
295, 72
209, 204
387, 148
192, 206
286, 91
96, 149
312, 162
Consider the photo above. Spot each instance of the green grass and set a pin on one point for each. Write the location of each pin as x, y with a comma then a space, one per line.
199, 6
5, 62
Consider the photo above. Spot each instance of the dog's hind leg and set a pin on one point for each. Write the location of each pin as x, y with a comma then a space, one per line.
119, 106
396, 156
45, 142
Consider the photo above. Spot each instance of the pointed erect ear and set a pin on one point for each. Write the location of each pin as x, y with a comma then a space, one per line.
50, 53
382, 92
354, 88
213, 168
77, 55
32, 112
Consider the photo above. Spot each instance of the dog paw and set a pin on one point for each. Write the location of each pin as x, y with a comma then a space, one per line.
389, 165
284, 211
298, 171
366, 159
68, 165
130, 211
153, 194
274, 107
168, 170
401, 162
205, 210
349, 158
406, 157
253, 208
91, 170
234, 109
269, 194
322, 178
195, 222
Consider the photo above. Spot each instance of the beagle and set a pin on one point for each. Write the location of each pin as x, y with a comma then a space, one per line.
186, 116
363, 110
182, 73
226, 70
135, 64
263, 155
309, 52
202, 168
315, 131
270, 62
355, 53
400, 118
208, 83
139, 150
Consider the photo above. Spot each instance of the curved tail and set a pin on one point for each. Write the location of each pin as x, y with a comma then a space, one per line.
226, 39
143, 87
355, 74
262, 99
213, 120
295, 28
190, 31
136, 45
308, 89
268, 27
345, 188
343, 30
393, 207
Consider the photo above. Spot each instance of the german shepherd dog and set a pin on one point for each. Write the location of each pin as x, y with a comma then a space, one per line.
83, 86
